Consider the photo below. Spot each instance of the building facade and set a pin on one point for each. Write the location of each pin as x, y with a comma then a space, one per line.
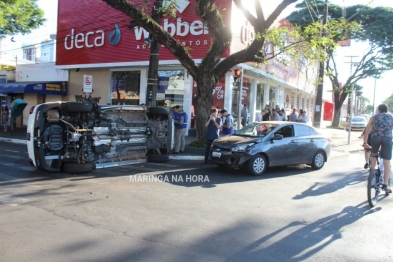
112, 55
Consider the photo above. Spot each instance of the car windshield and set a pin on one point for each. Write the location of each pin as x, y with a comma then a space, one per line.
256, 129
358, 119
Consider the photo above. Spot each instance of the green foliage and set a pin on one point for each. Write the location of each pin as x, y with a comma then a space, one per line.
19, 16
389, 102
361, 23
198, 144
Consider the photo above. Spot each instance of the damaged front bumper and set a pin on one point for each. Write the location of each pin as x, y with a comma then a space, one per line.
233, 159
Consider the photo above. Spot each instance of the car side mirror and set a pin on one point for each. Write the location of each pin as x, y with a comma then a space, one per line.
277, 137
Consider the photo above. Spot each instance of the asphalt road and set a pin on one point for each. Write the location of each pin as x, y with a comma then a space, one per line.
288, 214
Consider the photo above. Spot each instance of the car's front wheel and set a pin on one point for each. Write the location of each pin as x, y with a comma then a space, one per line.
257, 165
318, 160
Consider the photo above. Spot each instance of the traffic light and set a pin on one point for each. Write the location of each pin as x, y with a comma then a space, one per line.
237, 74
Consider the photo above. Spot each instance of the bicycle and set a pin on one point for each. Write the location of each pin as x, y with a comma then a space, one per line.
374, 182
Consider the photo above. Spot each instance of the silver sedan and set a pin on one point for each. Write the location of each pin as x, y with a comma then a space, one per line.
272, 143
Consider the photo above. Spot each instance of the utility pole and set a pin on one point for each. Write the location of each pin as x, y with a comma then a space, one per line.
318, 100
152, 77
240, 101
375, 87
350, 100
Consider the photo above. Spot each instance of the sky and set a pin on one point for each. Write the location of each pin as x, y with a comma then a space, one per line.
384, 86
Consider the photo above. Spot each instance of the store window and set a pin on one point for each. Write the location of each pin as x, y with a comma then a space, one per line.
125, 87
272, 95
260, 95
170, 88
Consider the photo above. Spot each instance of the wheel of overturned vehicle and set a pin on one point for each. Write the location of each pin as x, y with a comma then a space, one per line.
318, 160
78, 168
158, 158
257, 165
77, 107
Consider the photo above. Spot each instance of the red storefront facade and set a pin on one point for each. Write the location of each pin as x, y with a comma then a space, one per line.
94, 39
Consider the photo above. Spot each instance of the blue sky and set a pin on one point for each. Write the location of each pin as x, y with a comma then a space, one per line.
384, 87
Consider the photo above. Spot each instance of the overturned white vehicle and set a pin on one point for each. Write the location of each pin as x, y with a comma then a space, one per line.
78, 137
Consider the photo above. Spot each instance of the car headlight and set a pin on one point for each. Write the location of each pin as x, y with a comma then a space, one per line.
242, 147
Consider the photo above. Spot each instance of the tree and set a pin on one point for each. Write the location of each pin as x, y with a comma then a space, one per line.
213, 67
369, 109
19, 16
374, 27
389, 102
363, 105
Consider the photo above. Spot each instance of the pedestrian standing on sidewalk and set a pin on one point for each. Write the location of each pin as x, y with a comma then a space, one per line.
180, 120
293, 116
266, 116
244, 115
212, 133
227, 125
4, 117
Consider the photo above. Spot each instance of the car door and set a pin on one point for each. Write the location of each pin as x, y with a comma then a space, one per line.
283, 151
304, 143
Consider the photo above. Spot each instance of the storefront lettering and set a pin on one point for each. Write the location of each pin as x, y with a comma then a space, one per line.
81, 40
247, 34
190, 43
178, 29
53, 87
218, 92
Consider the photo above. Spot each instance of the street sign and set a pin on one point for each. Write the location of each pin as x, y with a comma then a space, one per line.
87, 84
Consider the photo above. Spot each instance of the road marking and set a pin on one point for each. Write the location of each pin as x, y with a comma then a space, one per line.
12, 156
12, 151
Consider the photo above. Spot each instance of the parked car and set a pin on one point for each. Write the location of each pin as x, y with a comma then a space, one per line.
78, 137
271, 143
358, 123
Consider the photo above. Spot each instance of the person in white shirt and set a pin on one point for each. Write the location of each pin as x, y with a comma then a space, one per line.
303, 118
258, 116
281, 114
274, 116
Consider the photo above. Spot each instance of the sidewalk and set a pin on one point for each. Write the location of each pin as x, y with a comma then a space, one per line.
339, 142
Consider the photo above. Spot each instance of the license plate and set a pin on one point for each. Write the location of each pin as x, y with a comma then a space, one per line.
216, 154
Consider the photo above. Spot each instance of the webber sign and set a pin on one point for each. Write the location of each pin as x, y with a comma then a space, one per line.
100, 35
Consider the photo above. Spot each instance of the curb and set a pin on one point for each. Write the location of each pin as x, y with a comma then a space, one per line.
185, 157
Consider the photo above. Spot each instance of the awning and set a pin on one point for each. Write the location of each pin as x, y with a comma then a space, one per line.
44, 88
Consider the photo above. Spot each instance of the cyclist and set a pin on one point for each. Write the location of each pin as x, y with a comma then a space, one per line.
380, 126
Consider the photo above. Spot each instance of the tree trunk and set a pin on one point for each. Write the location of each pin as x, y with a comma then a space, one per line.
203, 102
338, 103
337, 115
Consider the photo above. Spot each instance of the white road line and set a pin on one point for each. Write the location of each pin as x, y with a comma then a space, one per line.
12, 156
12, 151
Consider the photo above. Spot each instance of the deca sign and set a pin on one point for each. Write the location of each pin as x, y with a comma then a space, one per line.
101, 34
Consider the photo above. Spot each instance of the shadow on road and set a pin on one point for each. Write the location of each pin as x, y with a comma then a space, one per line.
319, 189
308, 239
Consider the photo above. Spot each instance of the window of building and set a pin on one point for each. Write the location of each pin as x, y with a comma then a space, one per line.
125, 87
272, 95
260, 95
170, 88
